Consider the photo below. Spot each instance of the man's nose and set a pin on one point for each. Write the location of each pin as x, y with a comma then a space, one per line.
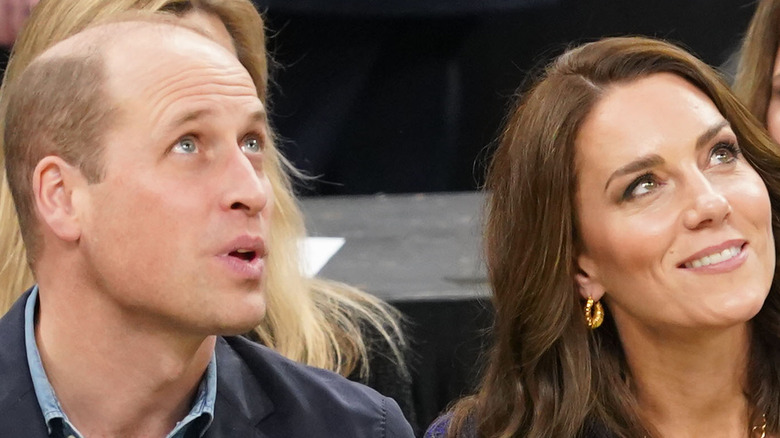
707, 205
245, 185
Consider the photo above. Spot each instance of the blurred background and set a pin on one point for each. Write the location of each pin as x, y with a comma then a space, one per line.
408, 96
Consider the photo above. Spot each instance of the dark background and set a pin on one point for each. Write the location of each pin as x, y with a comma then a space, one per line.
400, 96
403, 96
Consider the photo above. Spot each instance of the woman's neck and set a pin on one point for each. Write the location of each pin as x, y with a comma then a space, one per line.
690, 384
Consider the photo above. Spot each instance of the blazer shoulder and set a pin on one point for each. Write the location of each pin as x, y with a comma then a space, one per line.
309, 400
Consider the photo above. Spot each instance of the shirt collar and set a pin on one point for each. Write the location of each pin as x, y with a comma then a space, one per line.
203, 407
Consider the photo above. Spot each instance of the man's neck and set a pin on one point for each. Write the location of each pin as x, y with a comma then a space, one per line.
115, 377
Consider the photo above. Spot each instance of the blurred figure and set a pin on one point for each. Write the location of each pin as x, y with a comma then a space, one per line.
757, 81
13, 13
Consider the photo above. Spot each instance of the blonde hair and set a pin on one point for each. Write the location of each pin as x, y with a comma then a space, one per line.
313, 321
753, 81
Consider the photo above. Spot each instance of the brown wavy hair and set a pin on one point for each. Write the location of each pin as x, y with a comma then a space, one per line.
753, 81
547, 375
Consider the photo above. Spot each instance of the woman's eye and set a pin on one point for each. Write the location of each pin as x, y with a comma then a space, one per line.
251, 145
641, 186
723, 153
185, 146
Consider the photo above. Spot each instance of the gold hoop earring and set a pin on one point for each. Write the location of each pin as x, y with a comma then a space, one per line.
594, 314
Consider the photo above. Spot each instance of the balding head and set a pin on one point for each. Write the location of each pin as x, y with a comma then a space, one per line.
70, 95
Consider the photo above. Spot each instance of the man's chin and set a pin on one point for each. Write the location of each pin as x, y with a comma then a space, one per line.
243, 325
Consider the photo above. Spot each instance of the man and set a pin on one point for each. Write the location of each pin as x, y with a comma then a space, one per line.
134, 152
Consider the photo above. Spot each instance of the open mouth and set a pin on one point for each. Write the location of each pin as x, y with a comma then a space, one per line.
715, 258
244, 254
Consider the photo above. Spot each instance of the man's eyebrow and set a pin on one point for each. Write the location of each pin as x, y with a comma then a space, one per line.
653, 160
189, 117
256, 116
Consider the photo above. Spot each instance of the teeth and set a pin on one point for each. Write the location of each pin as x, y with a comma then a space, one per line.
712, 259
243, 251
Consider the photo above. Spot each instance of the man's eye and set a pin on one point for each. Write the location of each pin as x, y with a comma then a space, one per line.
185, 146
251, 145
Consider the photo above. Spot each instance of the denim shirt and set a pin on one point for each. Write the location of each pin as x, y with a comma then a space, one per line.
193, 425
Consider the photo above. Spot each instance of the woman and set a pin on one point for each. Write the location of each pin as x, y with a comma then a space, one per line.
633, 191
317, 322
757, 81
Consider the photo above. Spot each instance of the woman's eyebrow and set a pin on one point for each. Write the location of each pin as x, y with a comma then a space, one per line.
637, 165
709, 134
653, 160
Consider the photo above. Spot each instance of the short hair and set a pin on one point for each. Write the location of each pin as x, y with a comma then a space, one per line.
753, 81
59, 106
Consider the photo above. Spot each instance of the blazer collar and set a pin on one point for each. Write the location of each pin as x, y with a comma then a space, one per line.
18, 405
241, 401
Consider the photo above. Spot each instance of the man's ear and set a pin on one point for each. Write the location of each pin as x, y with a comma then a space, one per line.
55, 183
587, 279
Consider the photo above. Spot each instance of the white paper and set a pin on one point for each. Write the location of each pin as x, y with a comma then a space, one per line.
316, 251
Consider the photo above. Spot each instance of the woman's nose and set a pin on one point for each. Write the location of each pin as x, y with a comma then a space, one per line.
708, 206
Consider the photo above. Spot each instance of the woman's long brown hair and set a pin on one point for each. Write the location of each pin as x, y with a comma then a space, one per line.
548, 375
753, 81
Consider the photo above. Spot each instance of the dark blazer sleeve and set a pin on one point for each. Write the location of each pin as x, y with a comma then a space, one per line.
268, 395
396, 425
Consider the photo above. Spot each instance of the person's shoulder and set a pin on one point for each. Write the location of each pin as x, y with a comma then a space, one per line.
319, 398
288, 373
12, 346
438, 429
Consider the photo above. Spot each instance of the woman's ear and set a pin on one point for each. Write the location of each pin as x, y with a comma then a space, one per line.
54, 185
587, 279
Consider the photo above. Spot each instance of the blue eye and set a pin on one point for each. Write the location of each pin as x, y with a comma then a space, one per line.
185, 145
251, 145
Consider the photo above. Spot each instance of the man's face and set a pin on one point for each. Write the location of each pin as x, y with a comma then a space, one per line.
176, 231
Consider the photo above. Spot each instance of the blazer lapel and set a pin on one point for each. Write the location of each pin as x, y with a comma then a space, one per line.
20, 413
241, 401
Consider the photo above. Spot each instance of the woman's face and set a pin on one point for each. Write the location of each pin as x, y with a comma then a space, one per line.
675, 224
773, 110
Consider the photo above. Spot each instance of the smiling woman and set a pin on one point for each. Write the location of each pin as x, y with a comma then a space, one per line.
631, 250
660, 186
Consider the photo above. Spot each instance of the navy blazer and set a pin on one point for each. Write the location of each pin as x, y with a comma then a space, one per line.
259, 394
